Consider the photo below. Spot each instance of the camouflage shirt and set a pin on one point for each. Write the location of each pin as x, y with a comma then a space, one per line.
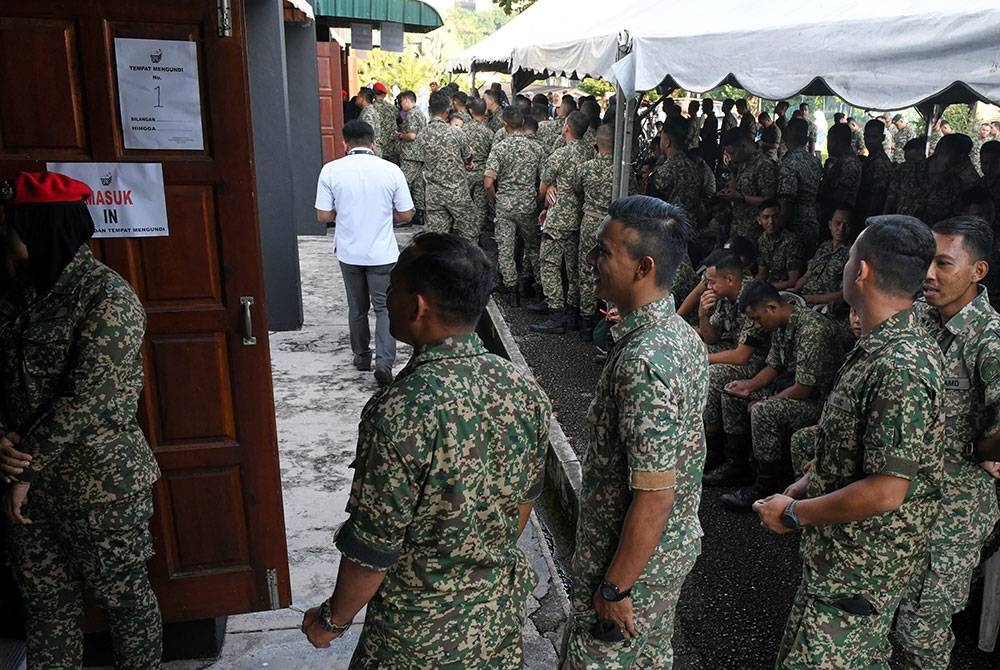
758, 177
841, 181
70, 377
445, 456
677, 180
857, 142
370, 116
596, 181
648, 435
780, 254
415, 122
799, 174
806, 350
884, 416
386, 131
550, 132
494, 120
480, 141
561, 170
826, 269
900, 138
876, 177
970, 341
736, 328
444, 150
930, 198
515, 164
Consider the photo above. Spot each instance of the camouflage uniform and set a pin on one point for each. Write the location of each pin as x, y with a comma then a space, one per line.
677, 180
595, 179
445, 456
448, 198
805, 351
803, 448
889, 142
514, 165
464, 115
892, 378
799, 174
550, 133
930, 198
758, 176
857, 142
970, 341
561, 231
780, 254
749, 125
480, 141
386, 132
494, 120
876, 178
899, 140
840, 185
646, 437
728, 123
411, 160
977, 145
826, 275
70, 375
370, 116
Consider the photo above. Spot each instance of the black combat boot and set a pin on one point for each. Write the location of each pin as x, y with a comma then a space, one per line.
555, 325
769, 480
508, 296
525, 288
538, 307
738, 469
587, 324
572, 319
715, 452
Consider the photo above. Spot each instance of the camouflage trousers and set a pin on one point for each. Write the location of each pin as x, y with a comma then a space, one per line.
719, 375
451, 212
413, 171
941, 588
507, 228
820, 635
450, 637
101, 552
803, 448
559, 250
588, 284
772, 423
480, 206
654, 605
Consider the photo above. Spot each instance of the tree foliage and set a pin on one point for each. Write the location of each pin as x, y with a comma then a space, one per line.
595, 87
511, 7
406, 70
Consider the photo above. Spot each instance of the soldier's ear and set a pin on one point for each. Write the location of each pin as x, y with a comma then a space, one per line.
980, 270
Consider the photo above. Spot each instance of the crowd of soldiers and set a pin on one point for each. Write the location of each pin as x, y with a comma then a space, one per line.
771, 232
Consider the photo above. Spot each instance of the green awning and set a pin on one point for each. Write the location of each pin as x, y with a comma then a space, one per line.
416, 16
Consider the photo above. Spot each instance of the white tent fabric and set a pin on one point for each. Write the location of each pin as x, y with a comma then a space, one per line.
873, 55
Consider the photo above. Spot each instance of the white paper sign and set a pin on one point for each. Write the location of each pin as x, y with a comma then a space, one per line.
159, 94
391, 37
128, 200
361, 36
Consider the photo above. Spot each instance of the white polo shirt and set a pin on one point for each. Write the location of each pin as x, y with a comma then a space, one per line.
364, 190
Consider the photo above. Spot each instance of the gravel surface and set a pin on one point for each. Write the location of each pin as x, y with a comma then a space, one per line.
734, 605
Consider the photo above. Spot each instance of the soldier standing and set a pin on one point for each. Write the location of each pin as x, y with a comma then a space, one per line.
638, 534
841, 181
967, 329
450, 460
480, 142
561, 230
388, 117
447, 157
873, 494
460, 104
931, 188
755, 180
79, 466
365, 100
904, 133
596, 183
411, 161
799, 175
676, 179
876, 173
780, 255
788, 393
511, 183
493, 110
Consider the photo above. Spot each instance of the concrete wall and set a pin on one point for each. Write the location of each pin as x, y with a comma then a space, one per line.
269, 106
303, 111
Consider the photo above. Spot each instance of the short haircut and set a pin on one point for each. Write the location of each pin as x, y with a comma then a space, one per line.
530, 123
839, 132
758, 293
662, 233
438, 102
367, 94
477, 107
407, 95
677, 131
875, 125
523, 104
461, 98
734, 137
803, 106
593, 112
568, 101
839, 116
540, 99
724, 261
797, 130
605, 136
768, 203
900, 249
453, 274
513, 117
990, 148
744, 248
578, 124
358, 133
977, 237
492, 95
956, 143
915, 144
540, 110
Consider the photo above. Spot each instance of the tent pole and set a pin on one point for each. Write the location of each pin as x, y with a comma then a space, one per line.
627, 143
616, 190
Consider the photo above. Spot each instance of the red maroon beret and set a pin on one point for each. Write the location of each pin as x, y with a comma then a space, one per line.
39, 188
379, 87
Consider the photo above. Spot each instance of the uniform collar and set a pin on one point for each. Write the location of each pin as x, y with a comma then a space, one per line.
71, 274
456, 346
971, 313
889, 330
658, 310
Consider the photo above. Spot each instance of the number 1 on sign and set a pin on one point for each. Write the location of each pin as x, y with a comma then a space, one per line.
157, 97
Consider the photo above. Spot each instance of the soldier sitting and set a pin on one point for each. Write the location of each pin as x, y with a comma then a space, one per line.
780, 251
788, 393
820, 286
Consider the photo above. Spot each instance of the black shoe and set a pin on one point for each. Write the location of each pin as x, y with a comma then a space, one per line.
587, 324
538, 307
508, 296
769, 480
572, 319
363, 362
525, 288
738, 468
556, 325
383, 377
715, 451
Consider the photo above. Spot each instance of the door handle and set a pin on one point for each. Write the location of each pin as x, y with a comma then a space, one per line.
248, 338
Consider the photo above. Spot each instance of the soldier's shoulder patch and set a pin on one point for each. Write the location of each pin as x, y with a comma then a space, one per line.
989, 369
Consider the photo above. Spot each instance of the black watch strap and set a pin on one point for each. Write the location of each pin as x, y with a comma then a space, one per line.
611, 593
326, 623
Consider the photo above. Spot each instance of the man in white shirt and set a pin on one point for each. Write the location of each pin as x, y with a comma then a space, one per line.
361, 196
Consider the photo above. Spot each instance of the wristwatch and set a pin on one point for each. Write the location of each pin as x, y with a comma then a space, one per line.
789, 519
326, 623
611, 593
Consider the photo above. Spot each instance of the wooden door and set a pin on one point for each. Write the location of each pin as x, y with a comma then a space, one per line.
331, 105
207, 407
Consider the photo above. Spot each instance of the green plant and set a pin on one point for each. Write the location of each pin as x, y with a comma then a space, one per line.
596, 87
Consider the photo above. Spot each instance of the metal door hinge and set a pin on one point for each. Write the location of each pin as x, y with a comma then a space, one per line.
225, 18
246, 302
272, 587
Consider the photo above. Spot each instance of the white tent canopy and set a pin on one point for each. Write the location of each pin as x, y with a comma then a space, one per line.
873, 55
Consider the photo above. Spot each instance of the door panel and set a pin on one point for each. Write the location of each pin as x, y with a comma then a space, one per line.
207, 406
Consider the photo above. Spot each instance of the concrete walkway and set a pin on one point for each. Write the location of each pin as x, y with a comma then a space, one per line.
318, 401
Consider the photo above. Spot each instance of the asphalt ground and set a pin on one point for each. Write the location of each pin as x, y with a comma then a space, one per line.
735, 602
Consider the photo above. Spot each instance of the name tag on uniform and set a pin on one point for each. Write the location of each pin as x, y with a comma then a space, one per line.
840, 402
957, 383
